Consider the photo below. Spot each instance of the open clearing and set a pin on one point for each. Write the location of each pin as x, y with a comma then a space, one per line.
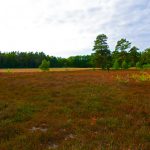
38, 70
76, 110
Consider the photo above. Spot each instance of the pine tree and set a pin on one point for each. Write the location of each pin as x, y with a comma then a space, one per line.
102, 53
44, 65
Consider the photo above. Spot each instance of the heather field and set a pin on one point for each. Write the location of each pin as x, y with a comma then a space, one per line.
75, 110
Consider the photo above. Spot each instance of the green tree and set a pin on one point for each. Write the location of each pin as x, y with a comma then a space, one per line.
44, 65
124, 65
145, 57
116, 65
134, 56
139, 65
121, 47
102, 55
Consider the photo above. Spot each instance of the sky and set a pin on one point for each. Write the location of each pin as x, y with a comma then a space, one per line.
69, 27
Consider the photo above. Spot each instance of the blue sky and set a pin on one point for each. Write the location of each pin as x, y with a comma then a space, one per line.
69, 27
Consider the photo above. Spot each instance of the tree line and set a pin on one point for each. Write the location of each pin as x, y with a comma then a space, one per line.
124, 56
33, 60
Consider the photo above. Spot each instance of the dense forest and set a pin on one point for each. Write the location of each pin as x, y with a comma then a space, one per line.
124, 56
33, 60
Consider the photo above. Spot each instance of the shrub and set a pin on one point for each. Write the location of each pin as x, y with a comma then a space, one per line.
131, 65
44, 65
125, 65
147, 66
139, 65
116, 65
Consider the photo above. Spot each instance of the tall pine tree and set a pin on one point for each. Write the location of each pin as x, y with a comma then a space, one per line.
102, 54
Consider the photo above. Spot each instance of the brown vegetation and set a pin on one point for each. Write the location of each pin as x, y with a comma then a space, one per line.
80, 110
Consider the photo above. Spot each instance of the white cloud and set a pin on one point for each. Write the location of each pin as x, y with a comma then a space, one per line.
69, 27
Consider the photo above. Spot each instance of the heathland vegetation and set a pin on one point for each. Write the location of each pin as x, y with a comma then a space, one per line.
80, 110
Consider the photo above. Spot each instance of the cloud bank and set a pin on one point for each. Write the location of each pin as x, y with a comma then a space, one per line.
69, 27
